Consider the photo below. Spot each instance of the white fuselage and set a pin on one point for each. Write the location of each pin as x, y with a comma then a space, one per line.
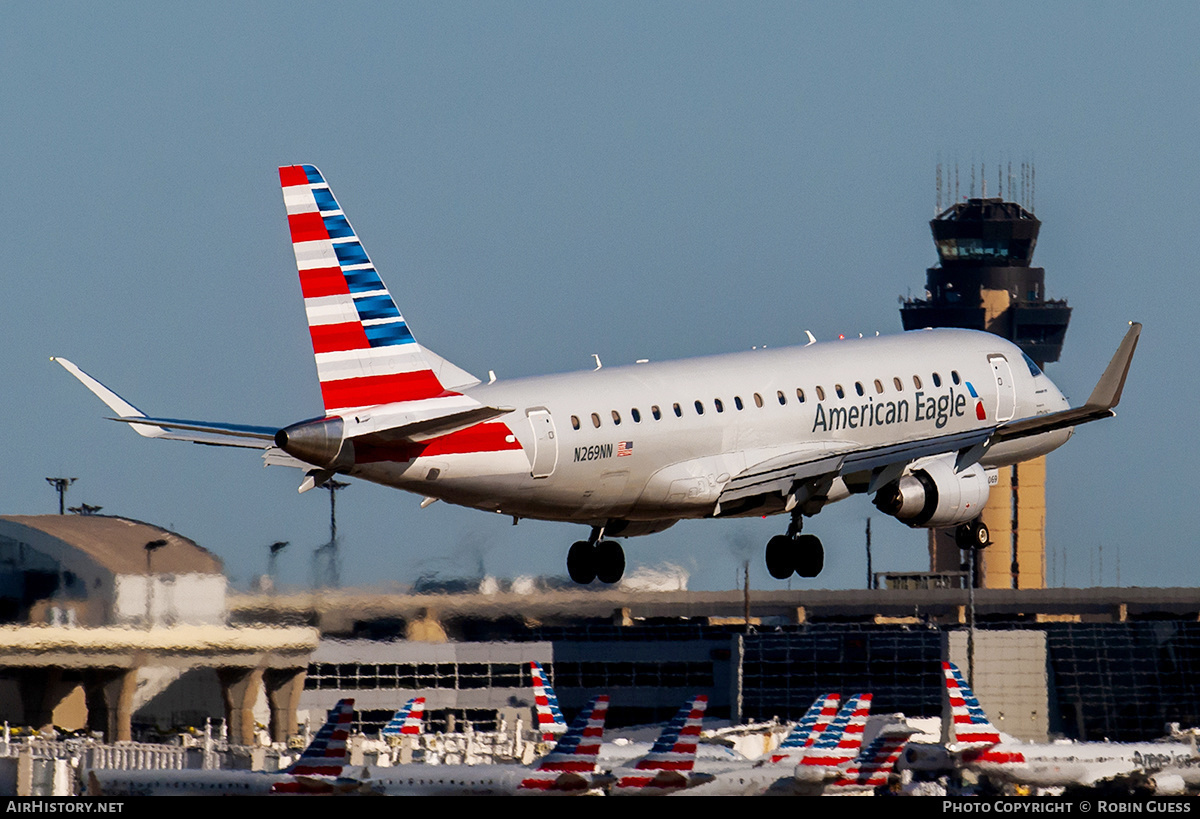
659, 441
1086, 763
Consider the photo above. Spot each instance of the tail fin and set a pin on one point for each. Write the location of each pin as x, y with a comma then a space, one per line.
970, 725
329, 751
549, 717
874, 765
365, 353
842, 740
673, 755
407, 721
819, 716
569, 766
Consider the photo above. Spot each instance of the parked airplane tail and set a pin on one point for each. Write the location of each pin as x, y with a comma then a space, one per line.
569, 766
549, 717
670, 761
819, 716
842, 740
874, 765
329, 751
407, 721
970, 726
365, 353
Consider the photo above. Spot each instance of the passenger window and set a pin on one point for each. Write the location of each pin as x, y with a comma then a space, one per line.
840, 392
800, 395
678, 411
656, 412
595, 420
937, 380
737, 401
820, 393
858, 387
954, 377
699, 408
574, 422
782, 398
758, 400
917, 381
878, 387
899, 384
616, 418
635, 415
717, 403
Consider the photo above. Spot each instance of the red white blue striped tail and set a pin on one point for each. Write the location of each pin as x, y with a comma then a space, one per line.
570, 765
329, 751
971, 726
550, 719
407, 721
673, 755
819, 716
874, 765
841, 741
365, 353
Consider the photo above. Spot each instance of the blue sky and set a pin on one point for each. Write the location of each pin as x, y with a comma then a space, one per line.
538, 182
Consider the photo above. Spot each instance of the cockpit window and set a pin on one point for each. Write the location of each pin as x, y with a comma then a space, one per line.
1033, 368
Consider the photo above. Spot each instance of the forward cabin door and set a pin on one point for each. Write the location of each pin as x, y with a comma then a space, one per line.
545, 443
1006, 392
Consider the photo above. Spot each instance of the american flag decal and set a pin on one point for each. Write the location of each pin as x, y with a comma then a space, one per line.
624, 448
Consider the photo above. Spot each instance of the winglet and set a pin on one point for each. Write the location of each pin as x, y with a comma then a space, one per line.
114, 402
1107, 393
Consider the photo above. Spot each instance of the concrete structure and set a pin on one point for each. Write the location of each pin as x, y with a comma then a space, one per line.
984, 281
104, 613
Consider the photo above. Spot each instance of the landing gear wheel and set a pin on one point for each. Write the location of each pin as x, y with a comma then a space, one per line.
581, 562
610, 561
810, 556
780, 557
973, 535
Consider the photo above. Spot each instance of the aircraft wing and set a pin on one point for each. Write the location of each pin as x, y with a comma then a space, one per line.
211, 433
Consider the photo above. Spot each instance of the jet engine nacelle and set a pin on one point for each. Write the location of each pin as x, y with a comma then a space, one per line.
319, 442
934, 495
1165, 784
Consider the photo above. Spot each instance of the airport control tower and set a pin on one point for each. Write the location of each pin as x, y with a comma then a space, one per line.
984, 281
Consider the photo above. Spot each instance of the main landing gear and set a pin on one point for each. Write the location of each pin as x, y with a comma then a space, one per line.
973, 535
794, 552
596, 559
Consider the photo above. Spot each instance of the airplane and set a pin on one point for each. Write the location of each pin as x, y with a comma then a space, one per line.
318, 770
872, 768
1164, 768
668, 768
823, 758
819, 716
407, 721
569, 768
918, 421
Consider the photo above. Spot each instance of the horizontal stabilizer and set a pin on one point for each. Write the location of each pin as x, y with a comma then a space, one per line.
1100, 403
215, 427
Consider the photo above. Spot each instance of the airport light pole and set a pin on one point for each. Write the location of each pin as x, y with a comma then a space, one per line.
60, 486
151, 547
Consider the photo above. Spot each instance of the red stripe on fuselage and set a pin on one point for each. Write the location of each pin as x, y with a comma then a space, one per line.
323, 281
480, 438
370, 390
334, 338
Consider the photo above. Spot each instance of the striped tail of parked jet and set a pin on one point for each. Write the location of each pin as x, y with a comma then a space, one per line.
873, 767
820, 715
569, 769
971, 726
407, 721
669, 767
838, 744
545, 704
318, 770
917, 421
